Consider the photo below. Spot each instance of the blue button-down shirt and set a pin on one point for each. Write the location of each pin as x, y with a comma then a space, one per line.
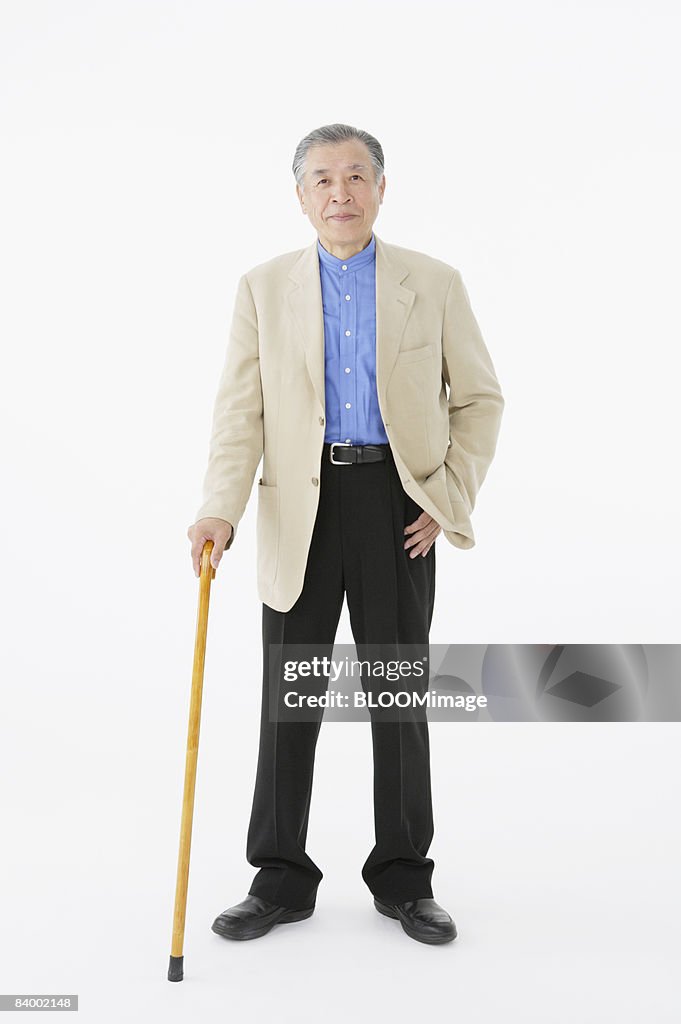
349, 303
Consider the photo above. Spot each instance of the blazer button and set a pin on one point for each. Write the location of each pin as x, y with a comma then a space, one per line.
315, 481
321, 421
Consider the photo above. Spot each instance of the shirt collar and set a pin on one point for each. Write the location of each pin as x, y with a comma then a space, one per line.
366, 255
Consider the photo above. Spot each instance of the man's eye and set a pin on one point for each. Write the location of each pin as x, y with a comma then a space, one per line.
322, 180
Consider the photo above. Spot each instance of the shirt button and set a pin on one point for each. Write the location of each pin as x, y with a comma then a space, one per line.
315, 481
344, 267
347, 334
348, 441
347, 369
347, 298
348, 405
321, 421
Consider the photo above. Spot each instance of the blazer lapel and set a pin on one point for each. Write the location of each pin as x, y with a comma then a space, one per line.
394, 302
304, 299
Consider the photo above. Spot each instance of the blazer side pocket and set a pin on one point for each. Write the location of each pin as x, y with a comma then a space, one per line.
267, 532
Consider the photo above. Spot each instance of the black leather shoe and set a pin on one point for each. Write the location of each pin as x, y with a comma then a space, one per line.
423, 920
255, 917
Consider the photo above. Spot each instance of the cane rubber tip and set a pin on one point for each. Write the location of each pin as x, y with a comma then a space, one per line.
176, 968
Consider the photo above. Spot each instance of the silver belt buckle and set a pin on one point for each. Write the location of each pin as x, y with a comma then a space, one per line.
336, 444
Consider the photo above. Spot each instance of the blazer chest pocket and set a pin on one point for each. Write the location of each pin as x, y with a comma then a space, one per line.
414, 355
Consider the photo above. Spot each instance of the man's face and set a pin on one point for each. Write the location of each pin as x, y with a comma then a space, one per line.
340, 195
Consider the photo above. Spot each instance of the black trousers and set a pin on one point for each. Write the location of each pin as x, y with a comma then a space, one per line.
357, 548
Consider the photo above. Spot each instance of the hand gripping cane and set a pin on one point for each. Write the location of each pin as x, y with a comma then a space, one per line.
176, 969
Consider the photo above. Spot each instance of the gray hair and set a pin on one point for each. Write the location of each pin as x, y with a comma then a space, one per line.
332, 133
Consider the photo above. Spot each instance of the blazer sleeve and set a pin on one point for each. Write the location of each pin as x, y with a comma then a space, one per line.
236, 442
475, 400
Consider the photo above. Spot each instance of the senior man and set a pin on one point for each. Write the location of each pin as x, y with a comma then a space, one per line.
356, 370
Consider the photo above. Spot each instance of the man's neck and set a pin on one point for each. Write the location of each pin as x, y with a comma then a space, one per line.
345, 252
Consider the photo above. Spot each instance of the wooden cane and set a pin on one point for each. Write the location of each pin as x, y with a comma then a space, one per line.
207, 573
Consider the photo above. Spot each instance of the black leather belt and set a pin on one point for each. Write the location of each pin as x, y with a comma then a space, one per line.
342, 454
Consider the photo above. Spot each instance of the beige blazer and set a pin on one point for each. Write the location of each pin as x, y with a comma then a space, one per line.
437, 390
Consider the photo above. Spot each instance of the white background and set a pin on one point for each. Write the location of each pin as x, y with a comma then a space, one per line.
146, 164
